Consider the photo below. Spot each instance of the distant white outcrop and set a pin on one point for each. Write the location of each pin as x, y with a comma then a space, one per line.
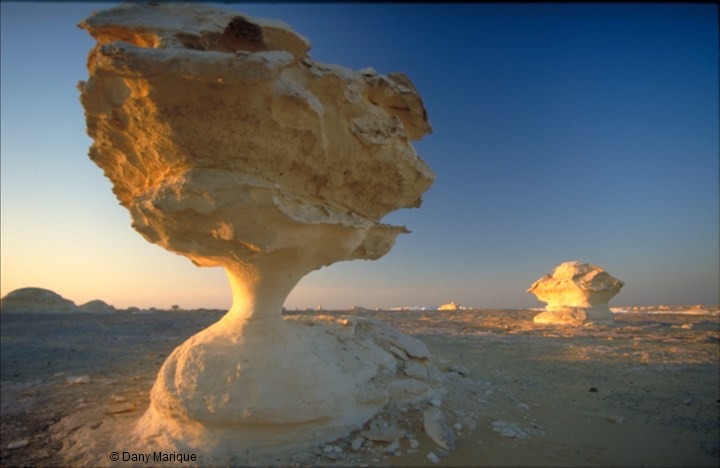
576, 292
36, 301
450, 306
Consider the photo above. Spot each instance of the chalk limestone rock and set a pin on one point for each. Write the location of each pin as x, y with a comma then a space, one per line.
229, 145
36, 301
576, 292
562, 316
449, 306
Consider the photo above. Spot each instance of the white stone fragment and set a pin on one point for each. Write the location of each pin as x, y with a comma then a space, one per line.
78, 379
17, 444
509, 430
392, 447
356, 444
387, 435
415, 370
436, 428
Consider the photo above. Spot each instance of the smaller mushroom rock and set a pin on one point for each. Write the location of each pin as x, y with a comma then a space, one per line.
576, 292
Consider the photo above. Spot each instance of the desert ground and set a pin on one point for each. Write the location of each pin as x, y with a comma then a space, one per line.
644, 391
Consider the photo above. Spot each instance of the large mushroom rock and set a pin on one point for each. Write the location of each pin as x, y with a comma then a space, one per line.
229, 145
576, 292
36, 301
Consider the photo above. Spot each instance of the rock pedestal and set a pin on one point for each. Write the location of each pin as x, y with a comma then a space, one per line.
229, 145
576, 292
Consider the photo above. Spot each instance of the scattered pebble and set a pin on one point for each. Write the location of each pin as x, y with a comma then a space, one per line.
433, 458
17, 444
390, 434
415, 370
120, 408
511, 431
391, 448
78, 379
462, 370
435, 427
356, 444
523, 406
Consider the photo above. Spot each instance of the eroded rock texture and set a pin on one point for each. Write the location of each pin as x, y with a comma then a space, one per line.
576, 292
228, 144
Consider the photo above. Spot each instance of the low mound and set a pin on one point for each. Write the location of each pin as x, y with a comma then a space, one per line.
36, 301
97, 307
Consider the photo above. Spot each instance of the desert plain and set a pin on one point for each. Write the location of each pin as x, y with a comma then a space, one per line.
643, 391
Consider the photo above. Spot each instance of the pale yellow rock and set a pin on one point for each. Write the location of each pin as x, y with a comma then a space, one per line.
229, 145
566, 316
576, 292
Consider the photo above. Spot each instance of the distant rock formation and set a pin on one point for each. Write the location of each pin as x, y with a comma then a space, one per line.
97, 307
36, 301
576, 292
449, 306
228, 144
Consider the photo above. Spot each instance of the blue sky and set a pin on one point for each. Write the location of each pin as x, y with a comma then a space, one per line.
561, 132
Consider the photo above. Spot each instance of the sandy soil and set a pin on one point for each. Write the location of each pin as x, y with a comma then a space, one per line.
642, 392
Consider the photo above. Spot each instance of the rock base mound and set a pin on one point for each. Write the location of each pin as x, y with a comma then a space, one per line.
343, 372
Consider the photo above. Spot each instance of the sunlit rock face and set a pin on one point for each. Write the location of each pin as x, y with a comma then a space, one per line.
229, 145
576, 292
